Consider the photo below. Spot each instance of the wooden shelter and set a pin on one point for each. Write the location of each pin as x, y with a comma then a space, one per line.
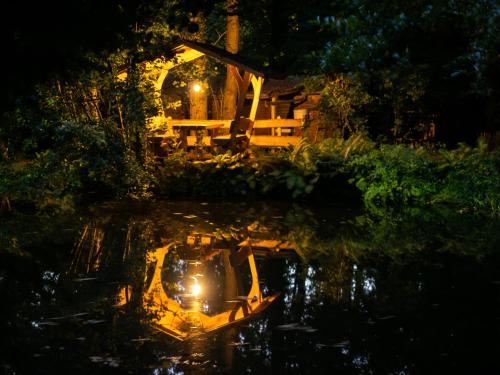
250, 79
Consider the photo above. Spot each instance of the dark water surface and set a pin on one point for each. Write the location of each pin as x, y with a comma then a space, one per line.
203, 287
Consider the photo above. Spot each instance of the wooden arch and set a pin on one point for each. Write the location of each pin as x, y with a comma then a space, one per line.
186, 51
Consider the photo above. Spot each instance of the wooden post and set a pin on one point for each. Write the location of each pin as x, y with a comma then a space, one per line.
243, 88
158, 86
273, 107
257, 86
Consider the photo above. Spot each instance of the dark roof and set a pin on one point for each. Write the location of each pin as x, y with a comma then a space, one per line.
287, 85
237, 60
278, 87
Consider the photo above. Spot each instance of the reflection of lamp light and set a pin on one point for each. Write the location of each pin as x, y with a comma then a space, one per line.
196, 87
195, 288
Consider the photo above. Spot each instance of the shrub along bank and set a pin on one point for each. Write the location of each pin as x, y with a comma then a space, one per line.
467, 178
384, 175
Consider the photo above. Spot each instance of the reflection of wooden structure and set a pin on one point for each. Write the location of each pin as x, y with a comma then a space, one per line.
174, 320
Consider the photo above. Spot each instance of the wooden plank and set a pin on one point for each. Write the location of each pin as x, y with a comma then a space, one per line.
191, 141
257, 83
278, 123
270, 244
174, 122
274, 141
199, 126
242, 91
224, 56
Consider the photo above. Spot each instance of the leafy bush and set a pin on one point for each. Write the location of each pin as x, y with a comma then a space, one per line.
395, 174
472, 178
466, 177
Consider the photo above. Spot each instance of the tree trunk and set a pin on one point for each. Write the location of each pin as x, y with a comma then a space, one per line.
232, 42
198, 98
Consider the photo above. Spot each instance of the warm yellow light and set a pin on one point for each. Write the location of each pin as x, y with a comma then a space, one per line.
195, 290
196, 87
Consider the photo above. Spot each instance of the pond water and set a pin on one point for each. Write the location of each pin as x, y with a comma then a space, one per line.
250, 287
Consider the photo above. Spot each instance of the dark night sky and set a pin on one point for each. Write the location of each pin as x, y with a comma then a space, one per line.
44, 37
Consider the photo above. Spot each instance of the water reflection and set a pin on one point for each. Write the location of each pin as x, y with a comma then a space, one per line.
177, 288
195, 286
184, 315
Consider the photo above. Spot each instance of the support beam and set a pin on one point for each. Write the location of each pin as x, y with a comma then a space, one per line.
257, 83
273, 107
236, 74
242, 92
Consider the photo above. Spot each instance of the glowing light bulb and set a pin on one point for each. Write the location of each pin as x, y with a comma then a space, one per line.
196, 290
196, 87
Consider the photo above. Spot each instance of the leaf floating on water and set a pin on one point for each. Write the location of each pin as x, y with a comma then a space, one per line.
341, 344
58, 317
310, 329
287, 327
190, 216
46, 323
296, 327
107, 361
387, 317
175, 359
238, 343
112, 362
94, 321
79, 314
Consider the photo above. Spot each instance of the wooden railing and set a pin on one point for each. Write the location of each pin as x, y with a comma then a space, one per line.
277, 132
283, 132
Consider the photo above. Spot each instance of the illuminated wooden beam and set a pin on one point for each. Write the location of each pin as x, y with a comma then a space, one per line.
257, 83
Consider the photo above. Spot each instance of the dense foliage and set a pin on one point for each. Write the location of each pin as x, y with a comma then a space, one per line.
468, 178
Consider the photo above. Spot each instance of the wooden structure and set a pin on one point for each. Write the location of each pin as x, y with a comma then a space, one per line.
245, 73
282, 132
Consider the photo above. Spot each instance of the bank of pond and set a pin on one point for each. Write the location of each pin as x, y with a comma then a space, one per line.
377, 175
